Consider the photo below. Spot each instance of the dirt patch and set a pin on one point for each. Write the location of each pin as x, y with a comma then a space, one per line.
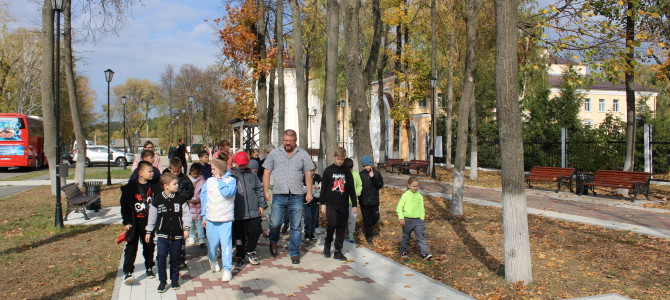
569, 259
40, 261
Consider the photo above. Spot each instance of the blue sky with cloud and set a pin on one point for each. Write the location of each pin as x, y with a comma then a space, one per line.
156, 33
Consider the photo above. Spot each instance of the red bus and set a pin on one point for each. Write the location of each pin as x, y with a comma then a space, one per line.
21, 141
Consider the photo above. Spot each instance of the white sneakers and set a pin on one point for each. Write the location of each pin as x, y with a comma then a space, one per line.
191, 241
227, 276
214, 264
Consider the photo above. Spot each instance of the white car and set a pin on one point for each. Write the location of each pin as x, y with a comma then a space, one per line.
97, 154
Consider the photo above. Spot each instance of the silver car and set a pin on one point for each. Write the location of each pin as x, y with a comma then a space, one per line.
97, 154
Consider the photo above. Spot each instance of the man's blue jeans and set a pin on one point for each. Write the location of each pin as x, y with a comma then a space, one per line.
292, 205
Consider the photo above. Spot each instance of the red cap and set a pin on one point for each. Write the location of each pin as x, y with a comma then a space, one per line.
241, 158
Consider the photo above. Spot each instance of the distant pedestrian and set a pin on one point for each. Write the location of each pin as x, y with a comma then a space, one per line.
206, 168
291, 164
170, 216
411, 213
337, 189
181, 154
172, 151
156, 162
369, 199
224, 148
351, 224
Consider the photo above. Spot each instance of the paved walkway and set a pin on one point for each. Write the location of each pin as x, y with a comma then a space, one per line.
367, 275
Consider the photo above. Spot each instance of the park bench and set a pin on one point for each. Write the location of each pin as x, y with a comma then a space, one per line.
76, 200
415, 164
562, 176
390, 164
636, 182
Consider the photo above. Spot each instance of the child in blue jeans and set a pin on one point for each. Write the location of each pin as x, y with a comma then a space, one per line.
218, 207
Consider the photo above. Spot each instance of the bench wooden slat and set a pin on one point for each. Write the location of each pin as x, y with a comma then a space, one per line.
637, 182
76, 199
551, 174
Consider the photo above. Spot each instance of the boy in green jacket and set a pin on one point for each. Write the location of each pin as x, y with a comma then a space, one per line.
411, 214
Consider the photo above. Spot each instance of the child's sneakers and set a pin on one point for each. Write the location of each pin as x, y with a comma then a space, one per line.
404, 254
175, 285
253, 258
191, 241
426, 256
201, 242
239, 263
128, 278
150, 274
339, 256
162, 287
326, 251
227, 276
214, 265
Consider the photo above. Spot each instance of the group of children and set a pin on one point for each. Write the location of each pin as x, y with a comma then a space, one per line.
225, 204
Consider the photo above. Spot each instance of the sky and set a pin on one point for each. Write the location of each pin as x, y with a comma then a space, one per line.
156, 33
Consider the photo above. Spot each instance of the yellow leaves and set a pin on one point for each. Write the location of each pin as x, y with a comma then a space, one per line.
655, 15
542, 256
575, 57
650, 51
620, 3
661, 44
536, 67
617, 68
545, 11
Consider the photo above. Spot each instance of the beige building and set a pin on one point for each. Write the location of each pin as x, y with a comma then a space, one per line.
602, 97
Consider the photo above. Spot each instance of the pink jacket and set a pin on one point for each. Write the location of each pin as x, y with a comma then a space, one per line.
196, 208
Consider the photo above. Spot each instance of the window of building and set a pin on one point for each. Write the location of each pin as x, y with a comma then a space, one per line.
587, 122
615, 105
423, 103
441, 100
601, 105
587, 104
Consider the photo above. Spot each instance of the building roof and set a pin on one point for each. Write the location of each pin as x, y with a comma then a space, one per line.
600, 84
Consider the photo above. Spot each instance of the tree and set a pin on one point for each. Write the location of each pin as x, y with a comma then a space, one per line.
68, 56
300, 77
456, 207
515, 217
281, 92
328, 133
142, 95
358, 77
47, 89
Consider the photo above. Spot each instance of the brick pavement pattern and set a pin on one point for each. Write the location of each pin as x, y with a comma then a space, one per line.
367, 275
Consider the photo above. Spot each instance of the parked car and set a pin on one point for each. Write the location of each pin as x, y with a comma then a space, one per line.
97, 154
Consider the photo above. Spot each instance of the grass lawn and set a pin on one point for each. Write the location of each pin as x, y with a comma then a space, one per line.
27, 176
41, 262
569, 259
102, 174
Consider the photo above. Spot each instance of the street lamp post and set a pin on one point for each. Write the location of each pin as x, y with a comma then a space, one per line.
312, 113
57, 6
191, 101
433, 83
109, 74
123, 99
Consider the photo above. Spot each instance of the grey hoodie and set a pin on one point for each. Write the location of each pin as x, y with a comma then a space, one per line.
249, 196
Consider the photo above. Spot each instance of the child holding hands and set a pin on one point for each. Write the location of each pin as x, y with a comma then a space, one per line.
217, 199
411, 214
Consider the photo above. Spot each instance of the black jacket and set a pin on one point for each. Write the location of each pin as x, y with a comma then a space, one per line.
371, 186
136, 173
169, 216
135, 200
338, 187
316, 180
186, 188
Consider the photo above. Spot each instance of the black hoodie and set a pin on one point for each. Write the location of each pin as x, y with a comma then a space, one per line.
337, 186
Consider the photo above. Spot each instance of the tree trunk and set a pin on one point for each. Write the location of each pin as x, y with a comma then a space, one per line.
382, 116
80, 171
47, 90
281, 95
330, 98
272, 102
515, 217
450, 102
300, 79
358, 78
629, 162
264, 121
456, 207
433, 98
473, 140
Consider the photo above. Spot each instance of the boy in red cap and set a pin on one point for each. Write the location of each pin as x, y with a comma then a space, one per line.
249, 205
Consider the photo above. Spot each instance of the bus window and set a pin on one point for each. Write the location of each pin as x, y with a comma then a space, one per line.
10, 129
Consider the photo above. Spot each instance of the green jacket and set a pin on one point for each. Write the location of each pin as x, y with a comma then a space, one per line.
358, 183
411, 206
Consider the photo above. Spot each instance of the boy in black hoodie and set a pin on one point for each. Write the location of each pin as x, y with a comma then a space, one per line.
147, 155
337, 188
136, 196
170, 211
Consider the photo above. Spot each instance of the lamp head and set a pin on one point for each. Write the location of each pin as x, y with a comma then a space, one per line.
109, 74
433, 82
124, 98
57, 5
